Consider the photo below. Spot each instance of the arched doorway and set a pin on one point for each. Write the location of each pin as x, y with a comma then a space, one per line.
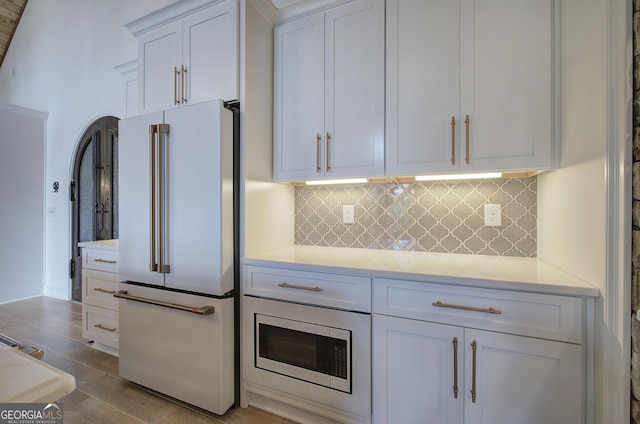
94, 191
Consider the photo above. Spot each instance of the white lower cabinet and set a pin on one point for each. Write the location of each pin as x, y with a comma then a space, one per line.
100, 279
425, 371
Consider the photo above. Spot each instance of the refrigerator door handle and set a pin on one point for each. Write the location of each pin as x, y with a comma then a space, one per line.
163, 199
202, 310
153, 131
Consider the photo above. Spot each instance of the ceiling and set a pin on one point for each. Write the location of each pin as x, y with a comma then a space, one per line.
10, 13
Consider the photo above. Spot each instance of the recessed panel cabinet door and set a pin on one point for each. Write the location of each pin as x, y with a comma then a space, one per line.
159, 51
329, 94
210, 53
414, 372
506, 83
522, 380
422, 86
354, 90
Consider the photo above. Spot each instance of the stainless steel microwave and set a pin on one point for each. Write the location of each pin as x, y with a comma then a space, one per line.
305, 351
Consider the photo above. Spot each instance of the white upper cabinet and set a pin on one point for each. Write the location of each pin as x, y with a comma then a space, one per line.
329, 94
469, 86
189, 58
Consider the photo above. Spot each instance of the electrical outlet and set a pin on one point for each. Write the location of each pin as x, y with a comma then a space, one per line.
493, 215
348, 214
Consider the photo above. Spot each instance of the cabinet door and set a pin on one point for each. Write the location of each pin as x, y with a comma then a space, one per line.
299, 99
134, 203
506, 81
422, 86
414, 372
210, 53
522, 380
159, 51
354, 90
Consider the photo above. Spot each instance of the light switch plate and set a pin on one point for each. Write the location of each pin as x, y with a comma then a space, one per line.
348, 214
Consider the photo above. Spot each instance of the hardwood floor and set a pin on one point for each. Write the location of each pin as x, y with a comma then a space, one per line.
101, 396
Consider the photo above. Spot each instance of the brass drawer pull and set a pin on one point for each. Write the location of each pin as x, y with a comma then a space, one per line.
293, 286
105, 261
491, 310
102, 327
101, 290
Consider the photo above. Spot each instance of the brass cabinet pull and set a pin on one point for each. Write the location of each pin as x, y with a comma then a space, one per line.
106, 261
203, 310
318, 152
328, 154
455, 368
176, 72
101, 290
293, 286
453, 140
102, 327
490, 310
466, 123
184, 73
474, 349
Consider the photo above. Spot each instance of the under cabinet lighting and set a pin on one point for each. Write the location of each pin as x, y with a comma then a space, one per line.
344, 181
458, 176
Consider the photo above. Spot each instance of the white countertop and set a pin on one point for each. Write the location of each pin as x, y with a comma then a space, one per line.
101, 244
499, 272
24, 379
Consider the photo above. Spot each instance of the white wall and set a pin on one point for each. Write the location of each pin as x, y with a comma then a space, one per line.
61, 61
579, 229
22, 158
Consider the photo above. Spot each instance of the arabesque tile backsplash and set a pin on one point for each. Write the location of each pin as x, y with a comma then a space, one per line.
440, 216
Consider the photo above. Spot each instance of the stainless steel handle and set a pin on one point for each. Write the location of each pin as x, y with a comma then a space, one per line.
474, 349
184, 72
455, 368
101, 290
203, 310
102, 327
318, 152
453, 140
466, 123
106, 261
490, 310
153, 165
176, 72
163, 201
293, 286
328, 152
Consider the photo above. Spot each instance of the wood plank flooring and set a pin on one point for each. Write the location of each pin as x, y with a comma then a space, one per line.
101, 396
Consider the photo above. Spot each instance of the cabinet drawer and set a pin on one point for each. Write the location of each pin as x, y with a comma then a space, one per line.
100, 325
101, 260
98, 288
331, 290
530, 314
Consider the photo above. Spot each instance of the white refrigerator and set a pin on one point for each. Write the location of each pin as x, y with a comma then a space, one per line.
177, 253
